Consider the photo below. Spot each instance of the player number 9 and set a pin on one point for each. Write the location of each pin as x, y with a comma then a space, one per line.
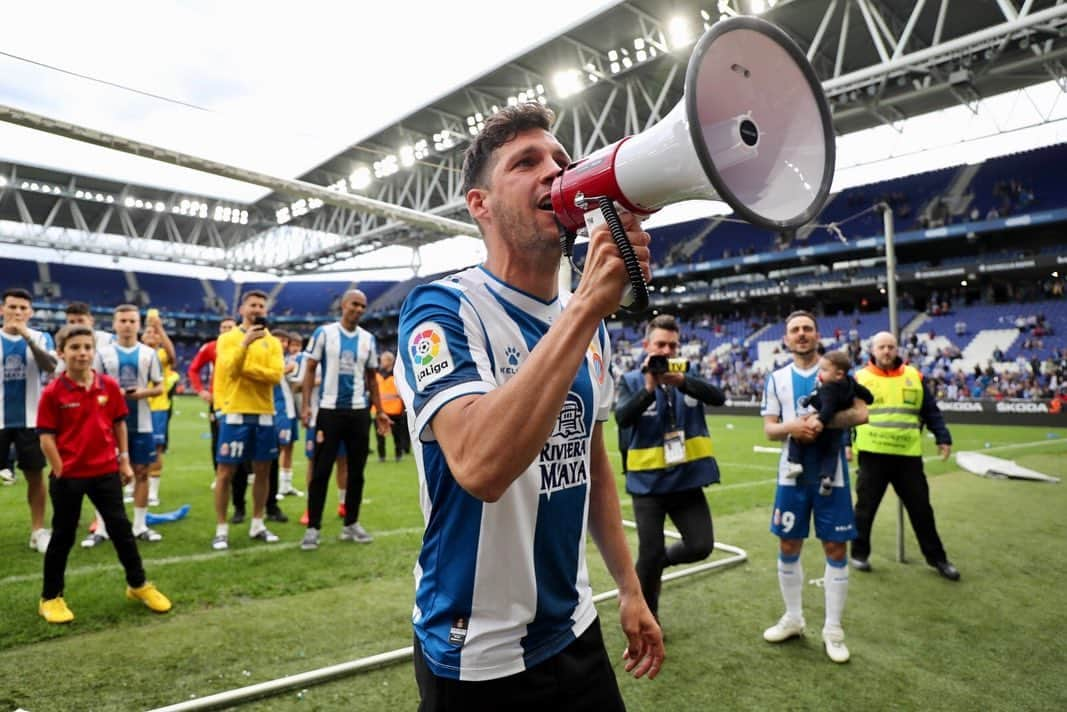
788, 520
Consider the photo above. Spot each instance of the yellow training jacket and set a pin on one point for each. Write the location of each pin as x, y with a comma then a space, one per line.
245, 378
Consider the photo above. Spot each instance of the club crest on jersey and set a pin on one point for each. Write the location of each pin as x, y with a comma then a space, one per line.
431, 358
347, 362
14, 367
571, 421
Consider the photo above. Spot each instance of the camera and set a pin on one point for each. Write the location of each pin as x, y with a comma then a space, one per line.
259, 321
660, 364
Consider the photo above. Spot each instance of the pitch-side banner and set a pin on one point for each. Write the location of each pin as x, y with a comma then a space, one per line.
1045, 413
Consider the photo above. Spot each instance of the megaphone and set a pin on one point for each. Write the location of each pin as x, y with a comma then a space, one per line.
752, 129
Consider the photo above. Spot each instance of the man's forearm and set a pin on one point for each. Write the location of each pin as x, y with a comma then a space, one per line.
605, 518
856, 415
631, 405
703, 391
45, 361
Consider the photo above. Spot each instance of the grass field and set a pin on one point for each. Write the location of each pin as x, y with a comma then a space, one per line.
994, 641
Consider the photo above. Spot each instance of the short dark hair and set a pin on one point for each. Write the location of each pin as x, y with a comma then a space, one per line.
662, 321
501, 127
227, 318
839, 359
19, 293
254, 293
800, 313
69, 332
78, 308
128, 308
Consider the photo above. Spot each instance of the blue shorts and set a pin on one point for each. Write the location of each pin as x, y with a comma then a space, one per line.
160, 422
309, 444
246, 437
796, 502
288, 429
142, 448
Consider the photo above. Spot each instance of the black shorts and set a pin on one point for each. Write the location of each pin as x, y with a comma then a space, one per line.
28, 453
577, 679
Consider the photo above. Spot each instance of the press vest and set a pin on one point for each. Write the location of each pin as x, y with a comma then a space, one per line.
646, 466
894, 425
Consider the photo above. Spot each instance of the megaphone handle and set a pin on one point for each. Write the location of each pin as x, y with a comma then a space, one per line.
633, 266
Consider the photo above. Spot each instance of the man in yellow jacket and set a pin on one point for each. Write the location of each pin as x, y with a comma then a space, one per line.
249, 363
890, 452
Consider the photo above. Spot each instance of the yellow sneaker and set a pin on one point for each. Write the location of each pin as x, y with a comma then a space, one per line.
149, 595
55, 610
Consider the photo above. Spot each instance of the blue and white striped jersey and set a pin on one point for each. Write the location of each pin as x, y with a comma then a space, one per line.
135, 366
781, 395
500, 586
284, 405
21, 385
345, 356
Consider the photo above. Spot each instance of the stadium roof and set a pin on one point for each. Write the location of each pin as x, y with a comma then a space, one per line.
881, 62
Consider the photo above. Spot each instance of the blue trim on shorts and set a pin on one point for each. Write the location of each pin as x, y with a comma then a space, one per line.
142, 448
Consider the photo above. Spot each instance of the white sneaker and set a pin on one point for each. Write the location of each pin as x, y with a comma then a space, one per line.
93, 539
39, 539
290, 491
355, 532
7, 477
787, 627
311, 540
793, 470
264, 535
834, 640
153, 501
221, 542
148, 535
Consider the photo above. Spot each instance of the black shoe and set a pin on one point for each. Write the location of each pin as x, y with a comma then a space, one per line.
277, 516
861, 564
947, 570
238, 516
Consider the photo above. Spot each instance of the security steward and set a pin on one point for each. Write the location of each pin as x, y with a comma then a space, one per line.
393, 407
668, 456
890, 452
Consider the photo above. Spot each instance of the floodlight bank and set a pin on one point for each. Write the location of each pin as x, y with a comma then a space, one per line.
353, 667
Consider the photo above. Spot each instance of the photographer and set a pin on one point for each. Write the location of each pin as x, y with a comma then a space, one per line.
668, 457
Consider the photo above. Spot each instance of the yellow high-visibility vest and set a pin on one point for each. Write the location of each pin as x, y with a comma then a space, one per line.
894, 426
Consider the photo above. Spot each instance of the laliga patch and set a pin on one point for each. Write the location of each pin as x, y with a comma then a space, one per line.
431, 358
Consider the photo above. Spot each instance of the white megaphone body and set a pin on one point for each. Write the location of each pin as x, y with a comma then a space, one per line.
753, 129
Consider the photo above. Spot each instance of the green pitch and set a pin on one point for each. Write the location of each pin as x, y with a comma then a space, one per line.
259, 612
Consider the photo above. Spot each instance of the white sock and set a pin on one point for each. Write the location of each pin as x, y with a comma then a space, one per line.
222, 530
101, 528
287, 479
153, 488
836, 585
140, 515
791, 582
341, 496
256, 527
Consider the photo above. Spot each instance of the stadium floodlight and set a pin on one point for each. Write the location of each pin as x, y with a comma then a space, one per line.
298, 208
282, 215
567, 83
443, 140
422, 149
386, 167
3, 182
360, 178
159, 206
679, 32
407, 156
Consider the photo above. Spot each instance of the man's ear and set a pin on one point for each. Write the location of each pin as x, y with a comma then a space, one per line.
478, 204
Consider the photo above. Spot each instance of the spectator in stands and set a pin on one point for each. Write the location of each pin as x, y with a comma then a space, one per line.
961, 327
521, 442
248, 366
890, 452
797, 499
82, 429
394, 408
668, 456
28, 357
349, 356
137, 369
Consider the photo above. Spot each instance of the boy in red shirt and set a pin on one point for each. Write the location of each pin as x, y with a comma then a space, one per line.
81, 421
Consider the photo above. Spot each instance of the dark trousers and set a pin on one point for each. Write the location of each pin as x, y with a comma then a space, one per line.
339, 426
876, 472
691, 515
214, 424
827, 448
105, 492
239, 486
401, 437
578, 679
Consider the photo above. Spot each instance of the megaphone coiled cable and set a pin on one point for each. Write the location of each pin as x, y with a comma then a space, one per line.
633, 266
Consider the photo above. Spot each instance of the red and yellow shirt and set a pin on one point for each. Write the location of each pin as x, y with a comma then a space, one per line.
83, 421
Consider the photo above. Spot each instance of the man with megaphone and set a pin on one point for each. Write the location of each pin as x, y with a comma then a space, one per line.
508, 386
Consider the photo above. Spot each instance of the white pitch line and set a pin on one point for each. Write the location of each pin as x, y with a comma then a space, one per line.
191, 558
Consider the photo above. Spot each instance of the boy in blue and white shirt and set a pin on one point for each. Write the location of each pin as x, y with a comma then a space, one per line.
797, 498
137, 369
28, 357
507, 385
